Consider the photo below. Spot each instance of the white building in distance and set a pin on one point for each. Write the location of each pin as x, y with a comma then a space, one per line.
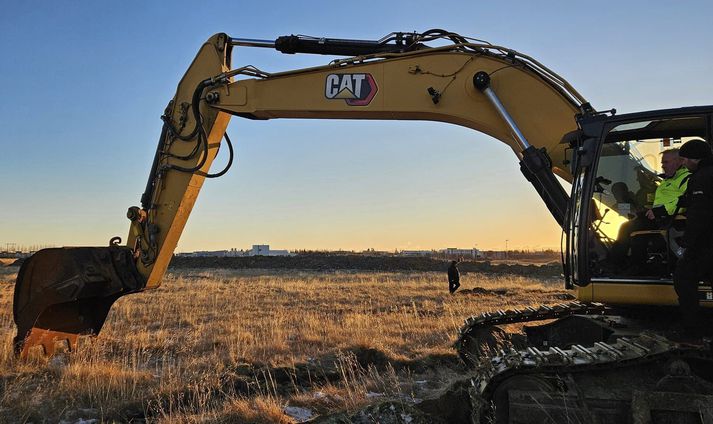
452, 252
264, 250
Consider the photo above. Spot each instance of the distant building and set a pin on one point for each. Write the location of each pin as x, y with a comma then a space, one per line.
453, 252
264, 250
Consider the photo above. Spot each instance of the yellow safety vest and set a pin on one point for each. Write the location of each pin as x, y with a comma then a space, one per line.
670, 189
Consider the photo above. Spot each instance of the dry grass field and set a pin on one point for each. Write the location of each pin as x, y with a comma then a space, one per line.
249, 346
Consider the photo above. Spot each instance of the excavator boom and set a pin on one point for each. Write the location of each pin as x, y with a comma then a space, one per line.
61, 293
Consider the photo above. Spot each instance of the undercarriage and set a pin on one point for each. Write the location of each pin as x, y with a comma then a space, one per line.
587, 363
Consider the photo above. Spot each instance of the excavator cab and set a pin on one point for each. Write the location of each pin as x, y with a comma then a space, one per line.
617, 253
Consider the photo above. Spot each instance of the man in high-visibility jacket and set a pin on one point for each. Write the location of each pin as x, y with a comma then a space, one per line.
674, 184
675, 181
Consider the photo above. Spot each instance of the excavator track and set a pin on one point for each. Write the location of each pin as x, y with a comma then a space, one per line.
477, 323
640, 378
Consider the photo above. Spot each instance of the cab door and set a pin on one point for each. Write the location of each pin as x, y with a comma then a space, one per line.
576, 226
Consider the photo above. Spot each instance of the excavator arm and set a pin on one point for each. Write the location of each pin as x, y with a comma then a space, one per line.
64, 292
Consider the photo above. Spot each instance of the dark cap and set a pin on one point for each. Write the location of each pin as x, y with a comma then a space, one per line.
695, 149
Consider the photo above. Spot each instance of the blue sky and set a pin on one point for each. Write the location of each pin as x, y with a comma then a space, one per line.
83, 84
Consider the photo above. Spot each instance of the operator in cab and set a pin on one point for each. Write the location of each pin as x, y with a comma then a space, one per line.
672, 186
697, 262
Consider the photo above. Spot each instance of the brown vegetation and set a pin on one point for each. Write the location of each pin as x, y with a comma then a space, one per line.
241, 345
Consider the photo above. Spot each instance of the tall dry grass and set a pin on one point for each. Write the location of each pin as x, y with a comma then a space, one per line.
238, 346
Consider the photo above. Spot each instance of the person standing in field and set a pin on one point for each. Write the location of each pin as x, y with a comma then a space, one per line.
453, 277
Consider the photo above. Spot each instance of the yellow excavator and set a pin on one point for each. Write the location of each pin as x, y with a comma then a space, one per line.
603, 358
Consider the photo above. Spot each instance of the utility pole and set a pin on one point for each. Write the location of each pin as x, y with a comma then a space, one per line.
506, 249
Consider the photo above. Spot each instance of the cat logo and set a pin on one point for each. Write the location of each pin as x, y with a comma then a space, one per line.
355, 89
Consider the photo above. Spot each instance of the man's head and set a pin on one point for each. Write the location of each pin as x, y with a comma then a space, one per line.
693, 151
670, 162
620, 191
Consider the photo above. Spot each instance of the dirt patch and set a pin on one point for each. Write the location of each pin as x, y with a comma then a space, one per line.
451, 404
388, 412
480, 291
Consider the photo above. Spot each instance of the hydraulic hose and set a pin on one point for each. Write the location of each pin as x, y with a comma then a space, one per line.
230, 159
195, 102
197, 130
203, 142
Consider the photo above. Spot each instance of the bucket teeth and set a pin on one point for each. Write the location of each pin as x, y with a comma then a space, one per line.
48, 340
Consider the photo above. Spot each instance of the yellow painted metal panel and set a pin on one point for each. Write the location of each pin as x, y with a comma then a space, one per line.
584, 294
177, 191
541, 112
635, 293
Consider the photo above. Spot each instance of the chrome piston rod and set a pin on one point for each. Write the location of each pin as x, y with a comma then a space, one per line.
251, 42
481, 80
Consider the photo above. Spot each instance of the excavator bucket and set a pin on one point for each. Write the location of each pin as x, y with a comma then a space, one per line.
62, 293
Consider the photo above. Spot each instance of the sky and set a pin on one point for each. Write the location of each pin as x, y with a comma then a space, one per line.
83, 84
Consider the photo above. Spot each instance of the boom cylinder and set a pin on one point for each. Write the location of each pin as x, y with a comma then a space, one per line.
481, 80
251, 42
291, 44
535, 164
